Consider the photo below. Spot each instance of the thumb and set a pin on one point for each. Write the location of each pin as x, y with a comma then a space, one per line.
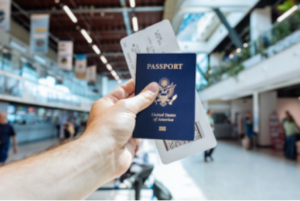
144, 99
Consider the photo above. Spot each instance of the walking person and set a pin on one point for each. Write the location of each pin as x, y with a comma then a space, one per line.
6, 132
68, 129
208, 153
248, 125
291, 131
75, 125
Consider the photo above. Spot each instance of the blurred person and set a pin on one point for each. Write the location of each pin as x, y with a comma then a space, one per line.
6, 132
82, 124
68, 129
78, 168
57, 125
75, 125
208, 153
291, 131
248, 126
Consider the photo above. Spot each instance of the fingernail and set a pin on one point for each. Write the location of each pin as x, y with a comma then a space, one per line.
153, 87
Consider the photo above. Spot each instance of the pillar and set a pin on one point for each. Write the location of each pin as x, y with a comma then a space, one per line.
260, 22
215, 60
267, 105
104, 85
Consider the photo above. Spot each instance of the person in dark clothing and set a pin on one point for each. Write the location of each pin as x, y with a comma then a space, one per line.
6, 132
82, 124
76, 126
248, 125
68, 129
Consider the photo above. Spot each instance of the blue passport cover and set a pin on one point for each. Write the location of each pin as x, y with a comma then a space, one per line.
172, 115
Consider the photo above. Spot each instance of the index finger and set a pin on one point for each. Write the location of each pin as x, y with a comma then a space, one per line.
122, 92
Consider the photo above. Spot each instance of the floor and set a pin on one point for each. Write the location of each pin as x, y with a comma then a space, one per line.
234, 174
26, 150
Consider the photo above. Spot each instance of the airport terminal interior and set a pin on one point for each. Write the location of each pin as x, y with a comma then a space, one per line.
57, 57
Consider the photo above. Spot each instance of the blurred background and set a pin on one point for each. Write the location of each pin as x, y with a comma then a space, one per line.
58, 56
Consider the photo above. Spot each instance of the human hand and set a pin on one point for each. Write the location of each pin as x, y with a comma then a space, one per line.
112, 120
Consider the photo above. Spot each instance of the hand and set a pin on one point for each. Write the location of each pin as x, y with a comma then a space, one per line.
112, 120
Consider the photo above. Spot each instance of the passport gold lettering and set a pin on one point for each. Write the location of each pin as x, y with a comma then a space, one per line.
164, 66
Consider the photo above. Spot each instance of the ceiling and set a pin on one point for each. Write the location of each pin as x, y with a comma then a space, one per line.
243, 27
104, 21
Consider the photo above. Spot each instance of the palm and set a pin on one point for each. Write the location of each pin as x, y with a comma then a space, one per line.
108, 110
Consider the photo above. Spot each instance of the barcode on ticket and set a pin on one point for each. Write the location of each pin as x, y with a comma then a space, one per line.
173, 144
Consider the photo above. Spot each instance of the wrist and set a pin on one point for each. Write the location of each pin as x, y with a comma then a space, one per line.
101, 153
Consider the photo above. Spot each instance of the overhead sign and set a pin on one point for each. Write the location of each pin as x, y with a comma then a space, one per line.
5, 10
91, 75
80, 66
39, 34
65, 55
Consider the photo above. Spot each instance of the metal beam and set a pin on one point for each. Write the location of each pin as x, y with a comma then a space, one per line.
96, 10
235, 38
126, 17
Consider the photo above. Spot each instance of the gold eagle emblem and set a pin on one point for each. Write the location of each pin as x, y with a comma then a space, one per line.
166, 92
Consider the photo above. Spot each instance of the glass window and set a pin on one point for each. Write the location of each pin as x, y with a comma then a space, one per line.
29, 72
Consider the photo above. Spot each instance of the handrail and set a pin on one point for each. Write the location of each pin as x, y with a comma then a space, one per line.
264, 47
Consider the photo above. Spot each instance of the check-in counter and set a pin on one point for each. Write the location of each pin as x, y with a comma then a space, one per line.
34, 132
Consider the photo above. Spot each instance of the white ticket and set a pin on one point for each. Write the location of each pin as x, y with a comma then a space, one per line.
160, 38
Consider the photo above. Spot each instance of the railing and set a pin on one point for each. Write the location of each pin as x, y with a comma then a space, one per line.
281, 36
15, 88
15, 63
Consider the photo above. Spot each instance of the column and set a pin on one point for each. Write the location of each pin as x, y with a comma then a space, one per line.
260, 22
267, 105
104, 85
215, 60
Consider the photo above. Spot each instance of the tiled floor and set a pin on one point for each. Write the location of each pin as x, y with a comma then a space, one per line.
234, 174
27, 150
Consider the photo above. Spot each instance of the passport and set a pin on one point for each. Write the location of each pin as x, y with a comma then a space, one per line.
172, 115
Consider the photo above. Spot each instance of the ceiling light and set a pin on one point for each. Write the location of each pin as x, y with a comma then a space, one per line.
113, 73
117, 77
69, 12
119, 81
103, 59
135, 23
86, 36
231, 56
96, 49
287, 13
238, 50
245, 45
132, 3
108, 66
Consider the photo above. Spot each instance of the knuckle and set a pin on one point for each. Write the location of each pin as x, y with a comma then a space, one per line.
147, 98
123, 103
